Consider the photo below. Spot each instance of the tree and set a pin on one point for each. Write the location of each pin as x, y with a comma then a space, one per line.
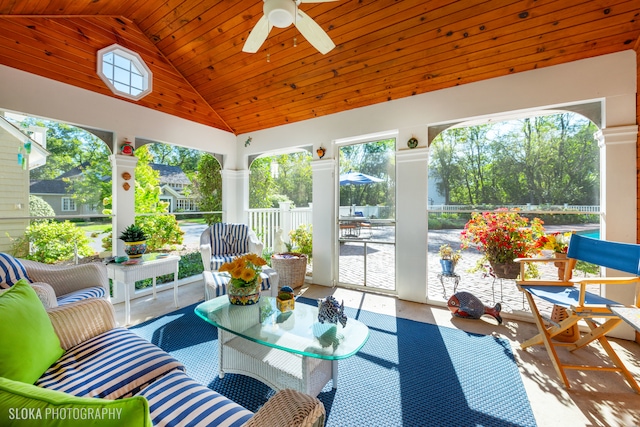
208, 188
262, 186
162, 227
372, 158
171, 155
539, 160
71, 148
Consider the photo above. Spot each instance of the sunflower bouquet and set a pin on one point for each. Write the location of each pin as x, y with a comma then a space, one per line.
244, 270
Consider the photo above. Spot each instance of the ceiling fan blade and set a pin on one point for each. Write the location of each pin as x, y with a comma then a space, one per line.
257, 36
314, 33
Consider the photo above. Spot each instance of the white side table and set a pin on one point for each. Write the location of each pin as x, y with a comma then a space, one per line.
149, 266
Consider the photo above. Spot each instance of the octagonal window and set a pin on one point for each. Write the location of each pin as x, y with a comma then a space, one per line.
124, 72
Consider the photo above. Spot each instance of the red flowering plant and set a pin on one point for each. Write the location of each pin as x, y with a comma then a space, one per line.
502, 236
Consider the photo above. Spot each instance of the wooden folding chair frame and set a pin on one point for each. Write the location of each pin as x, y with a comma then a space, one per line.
580, 309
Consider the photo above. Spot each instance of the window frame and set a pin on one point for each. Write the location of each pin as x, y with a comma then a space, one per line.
71, 202
136, 60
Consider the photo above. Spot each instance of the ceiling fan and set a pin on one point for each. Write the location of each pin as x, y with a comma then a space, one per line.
281, 14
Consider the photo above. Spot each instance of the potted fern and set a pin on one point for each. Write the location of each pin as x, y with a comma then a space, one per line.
135, 241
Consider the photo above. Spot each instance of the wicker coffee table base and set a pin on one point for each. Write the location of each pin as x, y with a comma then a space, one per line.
276, 368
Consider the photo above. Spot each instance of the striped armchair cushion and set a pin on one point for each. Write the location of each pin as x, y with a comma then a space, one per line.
115, 364
93, 292
11, 270
229, 238
218, 260
177, 400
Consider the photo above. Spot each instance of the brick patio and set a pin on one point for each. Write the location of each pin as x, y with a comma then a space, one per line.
381, 259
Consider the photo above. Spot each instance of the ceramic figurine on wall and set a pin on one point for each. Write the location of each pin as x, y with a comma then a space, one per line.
321, 152
126, 148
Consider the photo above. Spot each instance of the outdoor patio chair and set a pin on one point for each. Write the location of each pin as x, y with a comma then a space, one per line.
365, 226
580, 304
56, 284
222, 242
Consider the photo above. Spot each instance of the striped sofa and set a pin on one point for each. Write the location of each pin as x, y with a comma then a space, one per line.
111, 362
56, 284
222, 242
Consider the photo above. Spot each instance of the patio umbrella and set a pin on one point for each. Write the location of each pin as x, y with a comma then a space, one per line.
358, 178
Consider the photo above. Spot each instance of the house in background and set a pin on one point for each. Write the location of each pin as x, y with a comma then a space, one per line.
56, 193
174, 185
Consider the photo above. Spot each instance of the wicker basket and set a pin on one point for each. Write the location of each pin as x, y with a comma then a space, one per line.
291, 268
558, 314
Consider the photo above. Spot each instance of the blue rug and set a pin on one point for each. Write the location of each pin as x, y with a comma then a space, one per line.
407, 374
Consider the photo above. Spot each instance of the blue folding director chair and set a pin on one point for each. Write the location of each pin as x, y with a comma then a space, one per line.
571, 293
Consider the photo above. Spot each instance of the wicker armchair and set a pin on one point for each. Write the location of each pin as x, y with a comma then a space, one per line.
222, 242
62, 284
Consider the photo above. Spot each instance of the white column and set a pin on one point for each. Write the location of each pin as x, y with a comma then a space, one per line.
233, 195
324, 221
618, 194
411, 224
123, 196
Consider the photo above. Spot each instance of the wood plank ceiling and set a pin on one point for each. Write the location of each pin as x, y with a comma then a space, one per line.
385, 49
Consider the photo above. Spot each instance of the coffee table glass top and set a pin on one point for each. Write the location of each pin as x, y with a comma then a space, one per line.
296, 331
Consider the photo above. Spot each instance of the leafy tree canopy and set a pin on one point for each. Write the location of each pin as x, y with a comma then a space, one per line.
540, 160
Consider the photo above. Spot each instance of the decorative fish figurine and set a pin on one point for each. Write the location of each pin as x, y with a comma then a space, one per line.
468, 306
330, 311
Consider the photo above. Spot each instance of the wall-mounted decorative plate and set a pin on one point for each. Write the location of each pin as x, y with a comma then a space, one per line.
412, 143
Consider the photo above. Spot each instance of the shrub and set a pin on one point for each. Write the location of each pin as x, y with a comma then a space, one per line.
38, 207
51, 241
302, 239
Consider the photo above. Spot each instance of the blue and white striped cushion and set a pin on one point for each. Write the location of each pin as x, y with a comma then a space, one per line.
218, 260
237, 238
177, 400
11, 270
111, 365
93, 292
221, 280
229, 238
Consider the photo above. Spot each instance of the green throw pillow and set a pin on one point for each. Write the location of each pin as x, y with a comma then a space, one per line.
28, 343
24, 405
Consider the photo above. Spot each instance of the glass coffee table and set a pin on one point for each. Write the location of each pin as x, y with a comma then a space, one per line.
282, 350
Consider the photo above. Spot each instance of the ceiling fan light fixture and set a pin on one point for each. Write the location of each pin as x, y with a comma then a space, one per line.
280, 13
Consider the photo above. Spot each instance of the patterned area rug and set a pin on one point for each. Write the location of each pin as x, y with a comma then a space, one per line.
408, 374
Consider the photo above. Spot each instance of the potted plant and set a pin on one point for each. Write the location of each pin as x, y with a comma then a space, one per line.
558, 245
502, 236
448, 259
135, 241
244, 286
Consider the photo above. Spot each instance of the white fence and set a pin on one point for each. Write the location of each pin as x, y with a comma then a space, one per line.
266, 222
554, 209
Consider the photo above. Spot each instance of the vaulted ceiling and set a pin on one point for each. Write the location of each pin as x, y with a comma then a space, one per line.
385, 49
